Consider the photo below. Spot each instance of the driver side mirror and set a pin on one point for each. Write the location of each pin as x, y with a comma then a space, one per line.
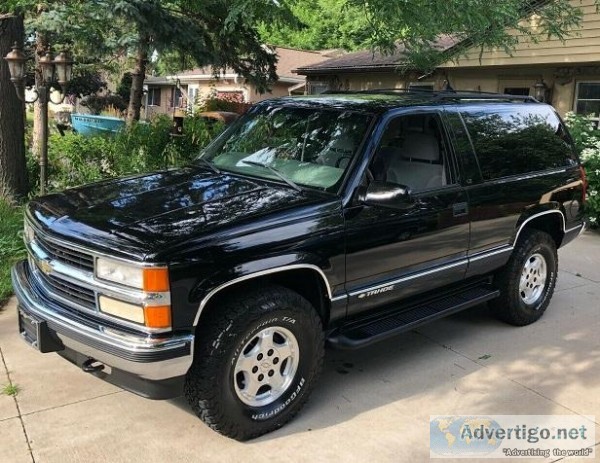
385, 194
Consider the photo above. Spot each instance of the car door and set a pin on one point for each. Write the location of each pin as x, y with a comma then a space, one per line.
396, 252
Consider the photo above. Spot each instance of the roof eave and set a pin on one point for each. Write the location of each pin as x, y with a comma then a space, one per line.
351, 69
291, 80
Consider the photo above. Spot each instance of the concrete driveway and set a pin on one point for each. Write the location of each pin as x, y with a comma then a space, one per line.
370, 405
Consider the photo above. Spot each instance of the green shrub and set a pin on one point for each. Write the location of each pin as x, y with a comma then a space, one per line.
11, 245
98, 103
215, 102
75, 159
587, 139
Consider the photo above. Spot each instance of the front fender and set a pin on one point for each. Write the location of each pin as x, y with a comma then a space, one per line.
206, 289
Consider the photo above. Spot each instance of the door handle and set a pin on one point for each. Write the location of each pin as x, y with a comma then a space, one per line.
460, 209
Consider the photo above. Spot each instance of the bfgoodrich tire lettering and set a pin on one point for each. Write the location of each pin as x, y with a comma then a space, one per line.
227, 354
519, 303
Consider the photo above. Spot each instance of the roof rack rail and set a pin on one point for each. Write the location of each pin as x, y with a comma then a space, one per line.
472, 95
440, 94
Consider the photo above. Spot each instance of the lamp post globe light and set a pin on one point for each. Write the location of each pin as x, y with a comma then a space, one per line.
541, 90
62, 66
16, 65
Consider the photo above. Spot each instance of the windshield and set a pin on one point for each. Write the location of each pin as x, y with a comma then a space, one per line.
306, 146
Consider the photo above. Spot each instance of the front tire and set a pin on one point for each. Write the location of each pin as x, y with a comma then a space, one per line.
528, 280
256, 361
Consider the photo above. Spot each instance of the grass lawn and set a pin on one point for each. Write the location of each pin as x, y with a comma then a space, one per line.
11, 245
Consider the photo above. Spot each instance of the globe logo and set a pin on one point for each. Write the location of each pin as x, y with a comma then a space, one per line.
463, 436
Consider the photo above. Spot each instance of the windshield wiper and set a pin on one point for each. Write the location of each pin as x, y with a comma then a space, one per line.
210, 165
291, 183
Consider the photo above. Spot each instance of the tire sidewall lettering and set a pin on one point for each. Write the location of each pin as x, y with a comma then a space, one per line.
282, 406
256, 329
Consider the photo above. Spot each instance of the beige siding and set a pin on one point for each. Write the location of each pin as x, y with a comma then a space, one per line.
277, 90
582, 46
363, 81
562, 89
205, 88
164, 108
491, 79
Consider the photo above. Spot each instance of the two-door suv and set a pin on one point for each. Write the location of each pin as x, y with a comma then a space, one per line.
345, 218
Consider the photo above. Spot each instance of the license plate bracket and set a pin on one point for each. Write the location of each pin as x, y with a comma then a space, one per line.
36, 333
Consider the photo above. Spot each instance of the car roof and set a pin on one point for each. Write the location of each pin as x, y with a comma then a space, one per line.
377, 102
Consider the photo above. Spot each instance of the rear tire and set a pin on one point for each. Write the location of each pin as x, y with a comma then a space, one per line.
257, 358
527, 281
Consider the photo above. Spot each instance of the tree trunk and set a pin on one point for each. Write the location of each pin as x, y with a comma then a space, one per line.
41, 46
137, 82
13, 171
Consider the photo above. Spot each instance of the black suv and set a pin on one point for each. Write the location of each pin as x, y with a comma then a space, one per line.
345, 218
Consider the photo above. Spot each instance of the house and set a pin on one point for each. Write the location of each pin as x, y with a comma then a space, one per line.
565, 74
165, 94
366, 70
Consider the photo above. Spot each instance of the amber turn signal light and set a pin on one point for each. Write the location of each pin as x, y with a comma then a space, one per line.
156, 280
158, 316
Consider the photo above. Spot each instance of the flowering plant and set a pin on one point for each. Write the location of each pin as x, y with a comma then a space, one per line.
587, 138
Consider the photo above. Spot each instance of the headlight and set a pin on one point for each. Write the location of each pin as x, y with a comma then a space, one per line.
155, 312
118, 272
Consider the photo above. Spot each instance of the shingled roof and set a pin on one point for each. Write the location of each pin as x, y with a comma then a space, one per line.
288, 60
367, 60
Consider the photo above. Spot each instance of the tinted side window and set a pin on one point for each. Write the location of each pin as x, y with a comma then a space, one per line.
413, 152
517, 139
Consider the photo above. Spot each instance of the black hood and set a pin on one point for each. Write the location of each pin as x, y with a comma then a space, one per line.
143, 214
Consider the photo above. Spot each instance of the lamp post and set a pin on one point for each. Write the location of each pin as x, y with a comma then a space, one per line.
540, 90
62, 66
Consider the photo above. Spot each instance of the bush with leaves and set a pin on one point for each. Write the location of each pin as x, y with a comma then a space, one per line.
98, 103
76, 159
214, 101
587, 138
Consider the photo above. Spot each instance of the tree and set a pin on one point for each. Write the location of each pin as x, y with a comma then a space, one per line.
13, 173
417, 24
321, 24
124, 87
219, 33
51, 22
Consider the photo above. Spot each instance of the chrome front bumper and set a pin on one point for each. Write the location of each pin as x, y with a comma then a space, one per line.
145, 358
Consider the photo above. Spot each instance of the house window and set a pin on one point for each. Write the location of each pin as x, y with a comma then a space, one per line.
421, 86
176, 98
587, 100
192, 97
314, 88
154, 96
521, 91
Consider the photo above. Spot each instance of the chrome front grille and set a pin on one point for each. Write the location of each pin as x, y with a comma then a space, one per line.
66, 255
66, 290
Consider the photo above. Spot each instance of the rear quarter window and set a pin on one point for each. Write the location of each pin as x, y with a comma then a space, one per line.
518, 139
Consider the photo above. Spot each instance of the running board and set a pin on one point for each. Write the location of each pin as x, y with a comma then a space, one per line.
359, 335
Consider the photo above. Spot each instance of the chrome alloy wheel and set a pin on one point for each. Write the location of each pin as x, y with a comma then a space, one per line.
266, 366
533, 279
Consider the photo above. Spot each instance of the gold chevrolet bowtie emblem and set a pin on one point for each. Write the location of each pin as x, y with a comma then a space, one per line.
45, 267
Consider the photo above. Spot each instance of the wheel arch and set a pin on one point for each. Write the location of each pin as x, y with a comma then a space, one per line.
308, 280
550, 221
